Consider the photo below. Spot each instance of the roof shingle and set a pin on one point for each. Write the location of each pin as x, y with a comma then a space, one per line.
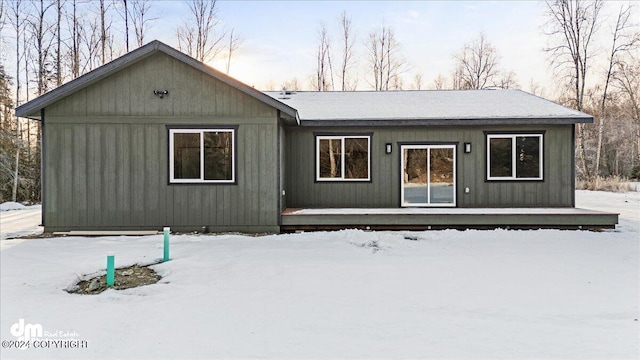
434, 107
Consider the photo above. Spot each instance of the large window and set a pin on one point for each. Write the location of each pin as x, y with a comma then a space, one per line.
514, 156
343, 158
201, 155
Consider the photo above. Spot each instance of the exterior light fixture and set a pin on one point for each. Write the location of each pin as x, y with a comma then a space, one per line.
467, 148
161, 93
388, 148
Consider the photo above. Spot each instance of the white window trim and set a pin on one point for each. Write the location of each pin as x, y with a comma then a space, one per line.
342, 156
514, 156
402, 170
173, 180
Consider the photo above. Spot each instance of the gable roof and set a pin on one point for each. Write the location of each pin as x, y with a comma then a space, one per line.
32, 108
437, 107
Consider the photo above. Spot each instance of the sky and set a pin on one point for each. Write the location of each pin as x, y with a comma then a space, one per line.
279, 38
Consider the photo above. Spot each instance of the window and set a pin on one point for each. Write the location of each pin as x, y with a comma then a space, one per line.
342, 158
201, 155
514, 157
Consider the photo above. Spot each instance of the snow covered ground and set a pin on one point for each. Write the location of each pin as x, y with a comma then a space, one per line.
346, 294
19, 220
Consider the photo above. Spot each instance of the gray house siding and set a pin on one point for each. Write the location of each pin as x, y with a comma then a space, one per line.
555, 190
106, 154
282, 168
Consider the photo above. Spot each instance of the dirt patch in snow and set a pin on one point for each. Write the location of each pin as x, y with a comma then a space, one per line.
125, 278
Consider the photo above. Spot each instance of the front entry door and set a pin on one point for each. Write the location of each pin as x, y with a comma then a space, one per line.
428, 175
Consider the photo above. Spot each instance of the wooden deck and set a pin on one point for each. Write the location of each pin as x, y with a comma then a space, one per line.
295, 219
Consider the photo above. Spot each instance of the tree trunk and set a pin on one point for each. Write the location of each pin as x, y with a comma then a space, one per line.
126, 25
75, 47
638, 147
18, 26
58, 42
103, 33
583, 151
14, 190
596, 166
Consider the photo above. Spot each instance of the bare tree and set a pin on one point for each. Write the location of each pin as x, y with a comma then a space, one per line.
418, 82
17, 22
535, 88
3, 20
7, 144
456, 79
324, 70
140, 10
103, 32
234, 44
27, 56
347, 39
124, 13
40, 31
385, 61
59, 74
292, 84
86, 35
622, 41
572, 25
439, 83
506, 80
627, 79
477, 63
73, 43
197, 36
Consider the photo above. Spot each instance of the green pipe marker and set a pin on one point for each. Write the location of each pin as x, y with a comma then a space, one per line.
111, 271
166, 243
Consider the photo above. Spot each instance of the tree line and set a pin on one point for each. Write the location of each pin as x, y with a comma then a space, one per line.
609, 147
55, 41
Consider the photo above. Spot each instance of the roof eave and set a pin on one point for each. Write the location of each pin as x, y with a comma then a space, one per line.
445, 122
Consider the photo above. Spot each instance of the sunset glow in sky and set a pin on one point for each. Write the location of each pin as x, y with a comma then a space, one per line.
280, 38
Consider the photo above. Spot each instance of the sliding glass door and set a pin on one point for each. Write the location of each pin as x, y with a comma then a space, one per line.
428, 175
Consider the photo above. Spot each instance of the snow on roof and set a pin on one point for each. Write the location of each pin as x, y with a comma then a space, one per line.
427, 105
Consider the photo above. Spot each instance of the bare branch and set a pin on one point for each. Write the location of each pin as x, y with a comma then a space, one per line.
234, 44
324, 71
386, 63
140, 10
197, 36
347, 51
477, 63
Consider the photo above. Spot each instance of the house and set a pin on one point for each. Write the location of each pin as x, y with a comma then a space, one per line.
156, 138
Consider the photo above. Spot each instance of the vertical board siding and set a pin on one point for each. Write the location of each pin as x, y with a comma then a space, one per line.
384, 188
129, 92
106, 155
106, 175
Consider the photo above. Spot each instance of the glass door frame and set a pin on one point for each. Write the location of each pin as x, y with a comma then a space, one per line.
427, 146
